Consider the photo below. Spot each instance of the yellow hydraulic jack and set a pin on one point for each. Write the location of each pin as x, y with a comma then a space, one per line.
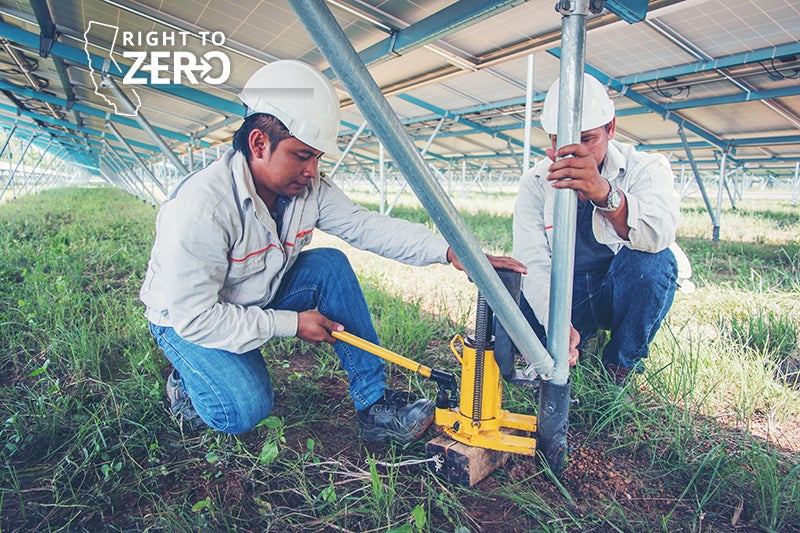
479, 433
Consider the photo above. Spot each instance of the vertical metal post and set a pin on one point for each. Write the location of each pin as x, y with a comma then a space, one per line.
720, 186
350, 69
683, 181
526, 147
109, 82
570, 98
731, 195
11, 176
449, 180
191, 155
554, 396
796, 183
382, 176
464, 177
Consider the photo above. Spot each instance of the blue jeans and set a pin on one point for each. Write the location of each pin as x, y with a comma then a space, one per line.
630, 300
233, 392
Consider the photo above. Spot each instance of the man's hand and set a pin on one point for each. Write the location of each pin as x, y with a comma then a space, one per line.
577, 170
501, 261
314, 327
574, 339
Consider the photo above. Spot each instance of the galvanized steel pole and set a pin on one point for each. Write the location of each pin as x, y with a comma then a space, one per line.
570, 98
526, 149
109, 82
331, 40
720, 184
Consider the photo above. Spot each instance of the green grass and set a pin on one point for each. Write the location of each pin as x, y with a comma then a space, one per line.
86, 441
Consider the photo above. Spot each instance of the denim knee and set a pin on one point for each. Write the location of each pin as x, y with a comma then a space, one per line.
242, 414
330, 257
645, 270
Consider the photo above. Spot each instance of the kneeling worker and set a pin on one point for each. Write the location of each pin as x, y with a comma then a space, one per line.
227, 272
625, 273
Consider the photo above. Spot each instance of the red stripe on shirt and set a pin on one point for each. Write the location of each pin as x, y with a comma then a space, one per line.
251, 254
299, 235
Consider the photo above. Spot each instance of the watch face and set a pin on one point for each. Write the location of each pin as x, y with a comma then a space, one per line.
613, 199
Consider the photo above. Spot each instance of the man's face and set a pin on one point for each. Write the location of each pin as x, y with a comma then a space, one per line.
285, 172
595, 141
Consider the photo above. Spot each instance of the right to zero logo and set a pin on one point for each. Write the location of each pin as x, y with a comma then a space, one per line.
162, 60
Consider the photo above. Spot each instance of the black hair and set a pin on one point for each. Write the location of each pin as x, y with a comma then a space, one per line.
269, 124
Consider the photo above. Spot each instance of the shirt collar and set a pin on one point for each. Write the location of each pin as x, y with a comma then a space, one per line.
614, 164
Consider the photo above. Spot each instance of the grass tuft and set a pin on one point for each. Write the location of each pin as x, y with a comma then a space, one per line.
710, 441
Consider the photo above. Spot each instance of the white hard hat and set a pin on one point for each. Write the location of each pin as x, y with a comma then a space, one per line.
597, 110
301, 97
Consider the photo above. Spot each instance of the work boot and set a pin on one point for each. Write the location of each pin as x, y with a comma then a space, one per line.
622, 378
617, 373
179, 402
393, 418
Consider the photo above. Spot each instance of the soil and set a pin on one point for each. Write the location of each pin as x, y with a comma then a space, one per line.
601, 480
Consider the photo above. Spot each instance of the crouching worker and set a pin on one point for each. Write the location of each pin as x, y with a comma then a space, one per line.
227, 271
625, 274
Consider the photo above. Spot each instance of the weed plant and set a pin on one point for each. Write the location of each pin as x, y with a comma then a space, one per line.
709, 443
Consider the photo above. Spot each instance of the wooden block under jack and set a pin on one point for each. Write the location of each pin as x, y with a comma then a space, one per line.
463, 464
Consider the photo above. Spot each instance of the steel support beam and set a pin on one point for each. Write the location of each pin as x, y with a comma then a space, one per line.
13, 172
720, 187
35, 166
650, 104
122, 166
9, 136
455, 17
734, 60
526, 147
138, 159
349, 68
570, 97
422, 153
123, 172
48, 98
346, 151
697, 177
43, 173
120, 95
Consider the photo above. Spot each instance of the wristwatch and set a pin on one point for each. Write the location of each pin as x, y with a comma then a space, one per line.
613, 201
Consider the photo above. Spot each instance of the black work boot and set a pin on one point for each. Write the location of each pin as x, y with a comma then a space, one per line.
393, 418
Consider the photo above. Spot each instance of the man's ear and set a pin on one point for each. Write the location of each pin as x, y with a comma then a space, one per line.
258, 143
612, 127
